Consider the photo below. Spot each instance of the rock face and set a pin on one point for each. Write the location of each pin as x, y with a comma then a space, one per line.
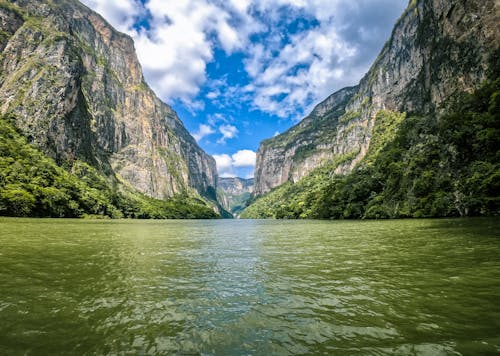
437, 48
233, 193
236, 185
77, 90
293, 154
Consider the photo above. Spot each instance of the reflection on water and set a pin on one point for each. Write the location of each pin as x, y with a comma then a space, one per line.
249, 287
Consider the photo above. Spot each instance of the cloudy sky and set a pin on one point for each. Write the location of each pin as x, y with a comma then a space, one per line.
240, 71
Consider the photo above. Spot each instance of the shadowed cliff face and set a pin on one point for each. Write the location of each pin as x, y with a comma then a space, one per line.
233, 193
76, 88
437, 48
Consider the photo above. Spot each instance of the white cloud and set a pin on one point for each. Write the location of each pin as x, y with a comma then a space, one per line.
228, 37
306, 70
240, 5
120, 13
176, 49
203, 131
212, 95
288, 73
227, 165
179, 42
214, 119
224, 165
244, 158
227, 131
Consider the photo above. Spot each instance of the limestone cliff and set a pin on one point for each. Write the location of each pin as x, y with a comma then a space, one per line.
437, 48
77, 90
291, 155
233, 193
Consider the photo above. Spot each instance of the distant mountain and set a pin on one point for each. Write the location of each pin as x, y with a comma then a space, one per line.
418, 89
233, 193
73, 87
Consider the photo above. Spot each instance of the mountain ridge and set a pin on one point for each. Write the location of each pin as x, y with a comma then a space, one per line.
416, 83
439, 52
76, 90
233, 193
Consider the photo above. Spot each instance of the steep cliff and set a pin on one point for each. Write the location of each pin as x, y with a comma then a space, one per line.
418, 137
437, 49
233, 193
294, 153
76, 90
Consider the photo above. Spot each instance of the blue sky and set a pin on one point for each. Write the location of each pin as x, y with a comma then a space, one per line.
240, 71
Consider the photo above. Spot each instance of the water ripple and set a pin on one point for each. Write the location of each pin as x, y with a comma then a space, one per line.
425, 287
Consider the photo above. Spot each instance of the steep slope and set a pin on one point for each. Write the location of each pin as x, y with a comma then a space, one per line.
233, 193
416, 166
294, 153
31, 184
439, 52
76, 90
438, 48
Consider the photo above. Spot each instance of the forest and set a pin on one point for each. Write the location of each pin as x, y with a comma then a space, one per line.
32, 184
443, 165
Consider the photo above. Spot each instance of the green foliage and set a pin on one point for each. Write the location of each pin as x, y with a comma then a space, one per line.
3, 36
349, 116
292, 201
19, 201
415, 167
4, 4
302, 152
31, 184
385, 130
236, 202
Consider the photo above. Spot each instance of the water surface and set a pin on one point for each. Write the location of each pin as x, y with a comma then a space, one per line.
249, 287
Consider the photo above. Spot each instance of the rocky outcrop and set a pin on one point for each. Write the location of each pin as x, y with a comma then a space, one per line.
293, 154
233, 193
236, 185
437, 48
77, 91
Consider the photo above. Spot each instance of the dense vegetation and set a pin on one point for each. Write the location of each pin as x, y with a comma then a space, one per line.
416, 167
236, 202
32, 184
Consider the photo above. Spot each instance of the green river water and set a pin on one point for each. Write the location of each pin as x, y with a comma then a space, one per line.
423, 287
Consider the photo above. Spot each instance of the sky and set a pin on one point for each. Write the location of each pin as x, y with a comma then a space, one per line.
240, 71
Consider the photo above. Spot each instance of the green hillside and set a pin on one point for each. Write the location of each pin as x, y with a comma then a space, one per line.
31, 184
416, 167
